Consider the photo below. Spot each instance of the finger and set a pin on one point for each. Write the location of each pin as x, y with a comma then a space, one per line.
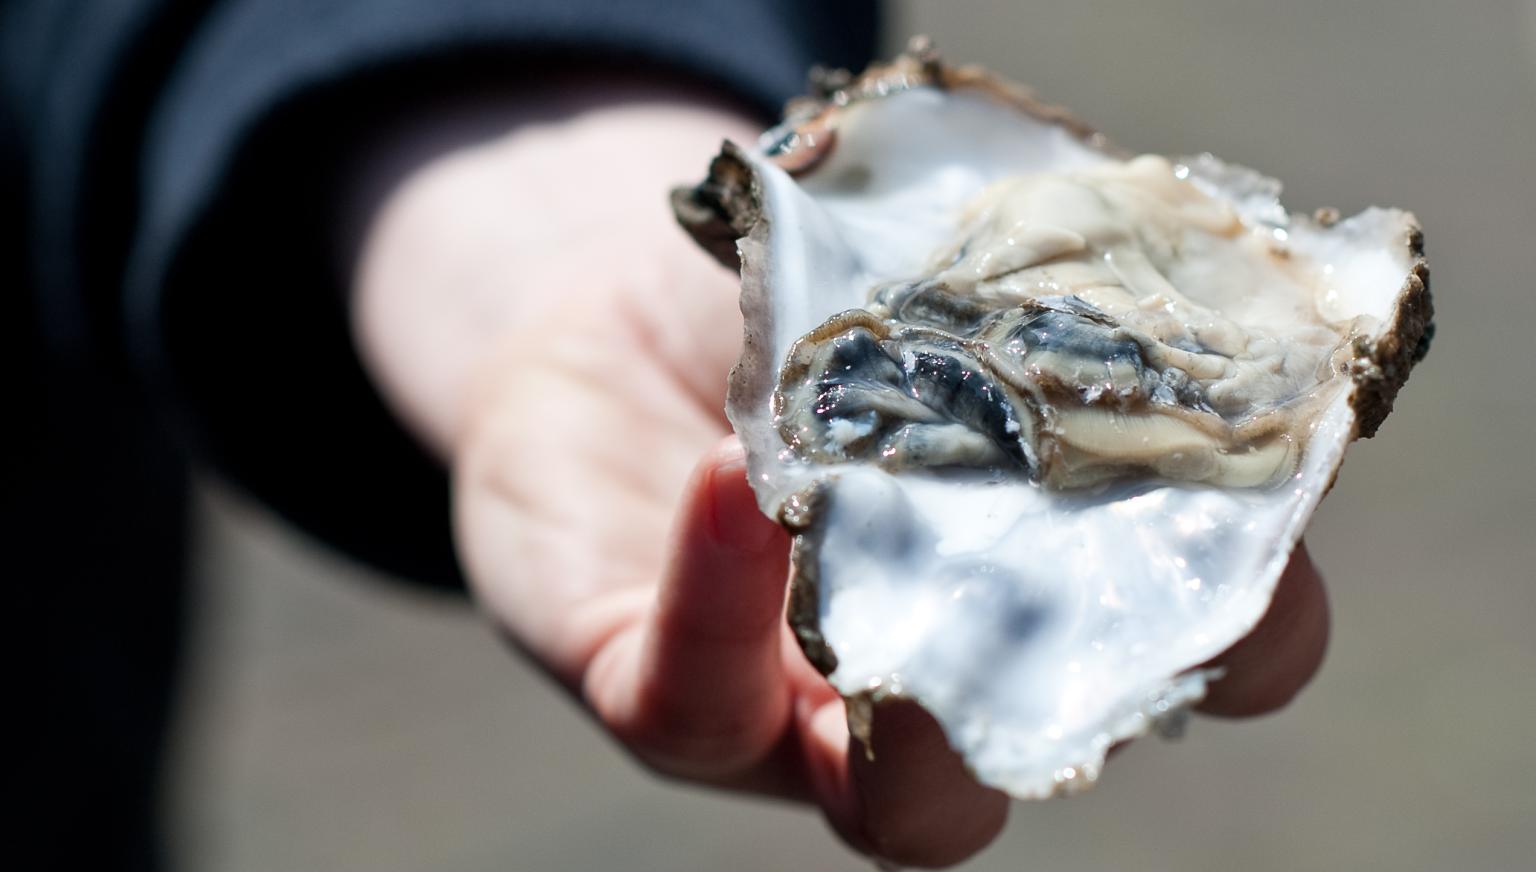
698, 688
911, 802
1268, 667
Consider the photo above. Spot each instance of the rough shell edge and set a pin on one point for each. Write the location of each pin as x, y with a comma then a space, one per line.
1384, 363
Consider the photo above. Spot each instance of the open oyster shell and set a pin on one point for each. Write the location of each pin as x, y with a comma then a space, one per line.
1039, 616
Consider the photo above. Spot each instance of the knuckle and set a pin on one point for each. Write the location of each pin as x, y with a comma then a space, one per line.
696, 748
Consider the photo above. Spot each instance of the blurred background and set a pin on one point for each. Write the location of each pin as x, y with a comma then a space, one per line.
335, 722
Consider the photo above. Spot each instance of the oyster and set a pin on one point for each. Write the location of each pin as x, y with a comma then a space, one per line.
1045, 420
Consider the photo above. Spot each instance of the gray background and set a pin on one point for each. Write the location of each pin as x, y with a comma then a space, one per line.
335, 723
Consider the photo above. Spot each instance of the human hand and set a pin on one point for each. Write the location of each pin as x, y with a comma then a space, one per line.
602, 511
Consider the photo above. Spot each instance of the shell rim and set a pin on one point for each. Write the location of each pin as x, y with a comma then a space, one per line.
725, 214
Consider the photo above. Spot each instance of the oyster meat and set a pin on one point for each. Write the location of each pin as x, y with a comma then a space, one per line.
1045, 419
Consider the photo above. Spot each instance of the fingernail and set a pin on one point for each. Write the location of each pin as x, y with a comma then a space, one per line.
735, 519
830, 725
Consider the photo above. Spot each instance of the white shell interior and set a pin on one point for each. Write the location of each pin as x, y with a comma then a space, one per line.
1039, 628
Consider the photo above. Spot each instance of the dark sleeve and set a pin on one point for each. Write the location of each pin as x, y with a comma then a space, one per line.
234, 303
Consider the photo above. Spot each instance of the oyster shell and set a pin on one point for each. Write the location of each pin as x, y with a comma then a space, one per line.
1046, 422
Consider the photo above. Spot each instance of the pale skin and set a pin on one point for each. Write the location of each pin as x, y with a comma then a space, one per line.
528, 307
